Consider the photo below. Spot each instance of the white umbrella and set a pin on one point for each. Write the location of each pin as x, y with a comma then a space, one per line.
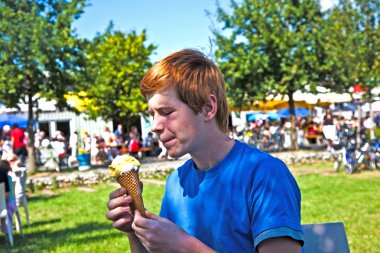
375, 107
322, 98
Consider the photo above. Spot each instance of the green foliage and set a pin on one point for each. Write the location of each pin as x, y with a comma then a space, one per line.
39, 54
116, 62
368, 30
268, 47
39, 51
351, 45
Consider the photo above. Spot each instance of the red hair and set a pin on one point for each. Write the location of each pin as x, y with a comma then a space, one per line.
194, 78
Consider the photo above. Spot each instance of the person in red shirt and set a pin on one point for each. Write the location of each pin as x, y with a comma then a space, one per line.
18, 144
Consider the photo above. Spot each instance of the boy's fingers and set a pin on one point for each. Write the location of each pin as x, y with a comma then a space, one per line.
118, 213
120, 201
117, 193
152, 216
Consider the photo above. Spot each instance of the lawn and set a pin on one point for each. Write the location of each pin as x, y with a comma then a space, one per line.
73, 220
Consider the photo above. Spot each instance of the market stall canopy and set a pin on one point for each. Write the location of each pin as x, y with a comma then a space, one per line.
323, 97
9, 119
271, 105
345, 107
285, 113
257, 116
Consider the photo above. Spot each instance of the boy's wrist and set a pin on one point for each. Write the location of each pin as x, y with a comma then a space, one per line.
192, 244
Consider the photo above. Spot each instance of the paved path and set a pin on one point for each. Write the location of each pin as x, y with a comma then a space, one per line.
147, 164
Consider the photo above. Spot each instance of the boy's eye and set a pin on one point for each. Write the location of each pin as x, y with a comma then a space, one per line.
166, 112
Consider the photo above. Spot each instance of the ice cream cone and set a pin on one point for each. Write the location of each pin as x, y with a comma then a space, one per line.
130, 181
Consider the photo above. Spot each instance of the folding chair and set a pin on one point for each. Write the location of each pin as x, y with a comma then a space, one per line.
4, 213
18, 219
19, 178
325, 238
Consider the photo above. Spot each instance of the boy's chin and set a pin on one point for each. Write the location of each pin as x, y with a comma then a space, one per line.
175, 154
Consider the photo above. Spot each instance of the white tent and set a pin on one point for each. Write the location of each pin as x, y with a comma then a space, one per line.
323, 97
375, 107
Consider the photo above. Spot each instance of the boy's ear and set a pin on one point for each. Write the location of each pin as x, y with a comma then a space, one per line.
210, 108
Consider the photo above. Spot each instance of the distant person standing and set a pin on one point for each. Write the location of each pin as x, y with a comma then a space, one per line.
18, 144
6, 147
73, 144
119, 131
4, 137
329, 129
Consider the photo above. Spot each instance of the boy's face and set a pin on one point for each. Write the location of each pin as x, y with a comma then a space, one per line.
175, 123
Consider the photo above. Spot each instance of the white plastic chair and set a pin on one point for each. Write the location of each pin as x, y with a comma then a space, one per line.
19, 177
325, 238
17, 213
4, 213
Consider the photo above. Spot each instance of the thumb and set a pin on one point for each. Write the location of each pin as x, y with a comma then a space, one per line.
152, 216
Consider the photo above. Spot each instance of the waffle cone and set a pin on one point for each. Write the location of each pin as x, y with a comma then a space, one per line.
130, 181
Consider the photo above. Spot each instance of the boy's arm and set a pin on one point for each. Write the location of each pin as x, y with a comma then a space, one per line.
135, 244
279, 244
158, 234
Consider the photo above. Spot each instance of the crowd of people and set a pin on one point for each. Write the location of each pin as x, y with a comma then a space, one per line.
266, 134
105, 146
61, 149
274, 135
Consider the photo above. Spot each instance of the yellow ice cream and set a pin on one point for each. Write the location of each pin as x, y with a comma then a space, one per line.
122, 164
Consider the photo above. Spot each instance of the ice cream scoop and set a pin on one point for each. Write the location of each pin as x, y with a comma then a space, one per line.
125, 169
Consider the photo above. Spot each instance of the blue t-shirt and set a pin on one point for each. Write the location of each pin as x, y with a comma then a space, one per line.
246, 198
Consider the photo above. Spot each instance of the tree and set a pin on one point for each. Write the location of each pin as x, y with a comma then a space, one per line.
352, 43
368, 30
351, 40
339, 41
40, 55
267, 47
116, 62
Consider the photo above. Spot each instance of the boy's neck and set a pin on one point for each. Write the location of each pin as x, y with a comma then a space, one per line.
213, 151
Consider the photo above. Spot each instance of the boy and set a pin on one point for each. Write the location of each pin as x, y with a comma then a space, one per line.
229, 197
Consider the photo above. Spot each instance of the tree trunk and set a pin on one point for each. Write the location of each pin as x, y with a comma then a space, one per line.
31, 165
293, 134
372, 129
359, 126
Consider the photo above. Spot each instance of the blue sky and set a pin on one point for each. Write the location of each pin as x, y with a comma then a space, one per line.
171, 24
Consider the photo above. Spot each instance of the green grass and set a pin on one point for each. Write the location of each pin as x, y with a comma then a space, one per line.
74, 220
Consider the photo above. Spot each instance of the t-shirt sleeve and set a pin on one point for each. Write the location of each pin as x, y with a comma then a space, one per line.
163, 211
164, 205
275, 202
278, 232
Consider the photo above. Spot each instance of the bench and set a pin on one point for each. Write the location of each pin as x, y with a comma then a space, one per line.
314, 138
123, 150
325, 238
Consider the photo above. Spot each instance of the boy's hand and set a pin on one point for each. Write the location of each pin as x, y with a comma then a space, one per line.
120, 211
158, 234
